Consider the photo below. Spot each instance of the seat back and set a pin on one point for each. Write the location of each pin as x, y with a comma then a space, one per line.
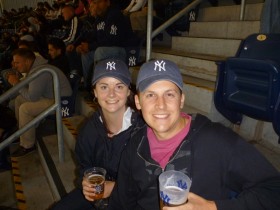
133, 52
260, 46
249, 83
68, 103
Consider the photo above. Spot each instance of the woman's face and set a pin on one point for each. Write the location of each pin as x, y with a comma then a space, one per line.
111, 94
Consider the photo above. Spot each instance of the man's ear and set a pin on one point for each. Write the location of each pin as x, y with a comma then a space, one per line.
29, 63
137, 102
182, 101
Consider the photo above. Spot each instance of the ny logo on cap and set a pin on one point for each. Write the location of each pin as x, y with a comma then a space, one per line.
160, 65
111, 66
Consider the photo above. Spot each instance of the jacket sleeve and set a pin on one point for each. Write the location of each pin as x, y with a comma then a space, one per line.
254, 181
73, 32
124, 194
82, 150
117, 31
36, 89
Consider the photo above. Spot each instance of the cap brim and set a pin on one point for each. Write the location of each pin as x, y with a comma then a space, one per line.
144, 84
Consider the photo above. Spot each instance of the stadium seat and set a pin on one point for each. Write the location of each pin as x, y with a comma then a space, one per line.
249, 83
68, 103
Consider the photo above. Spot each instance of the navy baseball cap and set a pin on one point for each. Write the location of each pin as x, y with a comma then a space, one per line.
157, 70
112, 68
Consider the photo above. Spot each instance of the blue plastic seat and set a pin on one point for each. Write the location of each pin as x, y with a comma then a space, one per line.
68, 103
249, 83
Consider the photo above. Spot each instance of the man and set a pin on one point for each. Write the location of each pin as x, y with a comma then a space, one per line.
34, 98
72, 24
72, 27
57, 55
226, 172
111, 33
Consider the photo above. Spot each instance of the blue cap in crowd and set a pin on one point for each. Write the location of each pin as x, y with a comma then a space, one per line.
157, 70
112, 68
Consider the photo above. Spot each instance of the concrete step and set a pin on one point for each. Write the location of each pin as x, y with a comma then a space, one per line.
196, 65
208, 46
227, 30
230, 13
31, 185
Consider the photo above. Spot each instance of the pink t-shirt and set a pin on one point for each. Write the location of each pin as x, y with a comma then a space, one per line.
161, 151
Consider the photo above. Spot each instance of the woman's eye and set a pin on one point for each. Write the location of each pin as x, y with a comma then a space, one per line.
149, 95
120, 87
103, 87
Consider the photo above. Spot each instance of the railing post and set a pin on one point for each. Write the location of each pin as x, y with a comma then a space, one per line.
151, 34
149, 29
242, 9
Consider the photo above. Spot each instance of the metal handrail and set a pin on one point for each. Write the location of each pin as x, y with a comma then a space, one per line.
242, 9
151, 34
56, 106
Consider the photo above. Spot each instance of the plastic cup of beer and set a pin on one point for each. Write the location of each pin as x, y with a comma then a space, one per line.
96, 177
174, 187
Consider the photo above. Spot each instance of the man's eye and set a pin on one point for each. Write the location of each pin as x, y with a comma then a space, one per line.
170, 95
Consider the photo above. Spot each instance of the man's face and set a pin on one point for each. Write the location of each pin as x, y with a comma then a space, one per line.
92, 9
67, 13
101, 6
161, 105
53, 52
21, 64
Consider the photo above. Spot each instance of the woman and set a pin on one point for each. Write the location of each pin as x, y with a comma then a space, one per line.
104, 136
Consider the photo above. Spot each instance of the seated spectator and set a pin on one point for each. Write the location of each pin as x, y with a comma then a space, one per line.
72, 24
102, 139
34, 98
72, 29
50, 12
111, 33
57, 55
226, 171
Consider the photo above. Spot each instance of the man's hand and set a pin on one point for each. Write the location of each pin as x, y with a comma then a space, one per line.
194, 202
82, 48
13, 78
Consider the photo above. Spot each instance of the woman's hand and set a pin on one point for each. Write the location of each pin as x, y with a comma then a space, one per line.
89, 190
195, 202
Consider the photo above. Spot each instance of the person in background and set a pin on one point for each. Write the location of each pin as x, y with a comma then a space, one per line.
111, 33
72, 28
57, 55
104, 136
34, 98
226, 171
72, 25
